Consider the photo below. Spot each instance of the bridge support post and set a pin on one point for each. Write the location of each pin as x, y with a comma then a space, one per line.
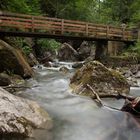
101, 49
115, 47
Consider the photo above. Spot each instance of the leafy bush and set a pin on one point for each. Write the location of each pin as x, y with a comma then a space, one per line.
27, 50
135, 48
50, 44
133, 51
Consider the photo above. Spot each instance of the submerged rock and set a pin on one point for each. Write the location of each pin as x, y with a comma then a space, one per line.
12, 60
64, 69
20, 116
138, 74
103, 80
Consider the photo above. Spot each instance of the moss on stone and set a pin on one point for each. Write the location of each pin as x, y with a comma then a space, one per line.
102, 80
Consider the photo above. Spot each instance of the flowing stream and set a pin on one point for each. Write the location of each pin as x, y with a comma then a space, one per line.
75, 117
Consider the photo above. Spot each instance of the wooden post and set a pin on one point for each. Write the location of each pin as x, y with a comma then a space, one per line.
1, 13
62, 26
32, 24
107, 31
123, 33
123, 25
86, 29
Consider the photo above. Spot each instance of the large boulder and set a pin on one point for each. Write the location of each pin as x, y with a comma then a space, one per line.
12, 60
84, 51
67, 53
103, 80
32, 60
18, 116
137, 74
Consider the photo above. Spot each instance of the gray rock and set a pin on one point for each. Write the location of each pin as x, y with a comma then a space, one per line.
32, 60
67, 53
132, 82
84, 51
103, 80
20, 116
137, 75
128, 73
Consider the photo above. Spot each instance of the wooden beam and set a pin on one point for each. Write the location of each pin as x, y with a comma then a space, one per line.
58, 36
107, 31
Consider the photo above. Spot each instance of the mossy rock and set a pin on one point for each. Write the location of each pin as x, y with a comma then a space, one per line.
9, 63
13, 61
4, 79
100, 78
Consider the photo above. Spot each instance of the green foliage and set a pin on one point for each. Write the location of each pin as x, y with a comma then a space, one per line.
133, 51
16, 42
100, 11
68, 9
136, 12
20, 6
48, 44
121, 11
27, 50
136, 48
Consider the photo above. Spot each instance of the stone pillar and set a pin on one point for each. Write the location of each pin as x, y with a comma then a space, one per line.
101, 49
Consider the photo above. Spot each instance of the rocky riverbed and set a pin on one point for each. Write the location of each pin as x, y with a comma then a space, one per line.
76, 117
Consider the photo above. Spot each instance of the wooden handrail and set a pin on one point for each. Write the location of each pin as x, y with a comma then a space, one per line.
62, 26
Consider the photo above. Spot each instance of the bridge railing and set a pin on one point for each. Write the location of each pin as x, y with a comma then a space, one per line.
29, 23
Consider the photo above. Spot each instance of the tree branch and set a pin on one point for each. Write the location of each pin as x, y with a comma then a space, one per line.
96, 95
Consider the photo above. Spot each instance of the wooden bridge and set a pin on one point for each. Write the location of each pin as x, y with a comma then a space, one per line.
13, 24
